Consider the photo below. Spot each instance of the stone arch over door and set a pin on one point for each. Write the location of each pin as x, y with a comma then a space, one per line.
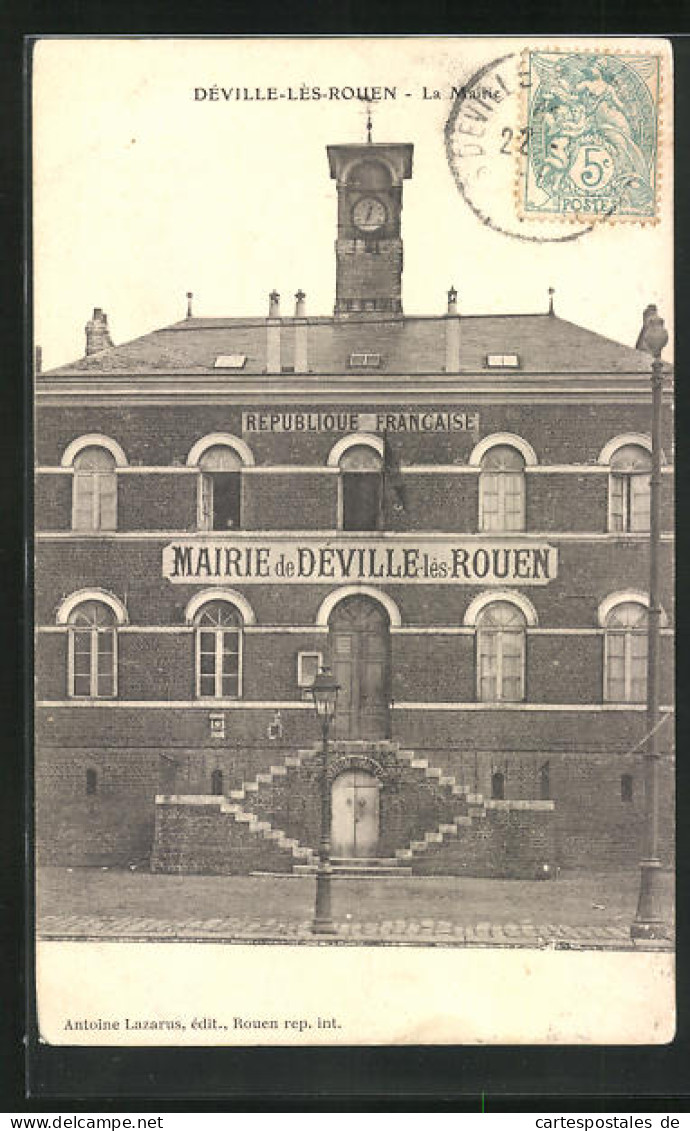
359, 646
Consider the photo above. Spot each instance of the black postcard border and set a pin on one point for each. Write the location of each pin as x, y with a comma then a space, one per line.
36, 1076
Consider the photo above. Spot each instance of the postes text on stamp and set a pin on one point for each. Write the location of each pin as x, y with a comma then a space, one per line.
592, 126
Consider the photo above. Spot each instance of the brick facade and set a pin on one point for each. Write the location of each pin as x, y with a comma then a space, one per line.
128, 746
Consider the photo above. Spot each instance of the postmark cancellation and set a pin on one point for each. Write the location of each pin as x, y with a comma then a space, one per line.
592, 121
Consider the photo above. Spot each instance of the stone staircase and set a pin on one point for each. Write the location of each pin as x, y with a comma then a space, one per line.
163, 860
268, 777
240, 825
265, 830
436, 837
434, 773
473, 804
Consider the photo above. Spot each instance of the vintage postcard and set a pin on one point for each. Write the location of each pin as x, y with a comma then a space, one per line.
353, 540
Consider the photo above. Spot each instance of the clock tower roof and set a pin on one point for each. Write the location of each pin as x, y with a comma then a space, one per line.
397, 156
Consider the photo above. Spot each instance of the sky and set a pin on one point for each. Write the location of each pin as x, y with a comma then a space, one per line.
144, 190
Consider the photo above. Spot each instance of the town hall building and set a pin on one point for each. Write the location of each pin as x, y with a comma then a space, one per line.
450, 511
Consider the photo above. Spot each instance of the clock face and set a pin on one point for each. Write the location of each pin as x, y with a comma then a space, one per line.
369, 214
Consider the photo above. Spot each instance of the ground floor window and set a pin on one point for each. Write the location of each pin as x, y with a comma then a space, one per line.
500, 653
218, 651
92, 651
625, 656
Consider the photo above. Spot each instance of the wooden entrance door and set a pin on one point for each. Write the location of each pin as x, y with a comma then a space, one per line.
355, 814
360, 659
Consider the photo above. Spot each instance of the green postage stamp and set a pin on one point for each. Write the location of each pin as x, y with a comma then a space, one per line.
592, 123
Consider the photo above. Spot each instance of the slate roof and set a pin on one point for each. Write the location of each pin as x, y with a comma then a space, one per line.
544, 344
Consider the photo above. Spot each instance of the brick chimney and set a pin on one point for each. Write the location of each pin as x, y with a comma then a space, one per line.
452, 333
273, 334
300, 332
97, 332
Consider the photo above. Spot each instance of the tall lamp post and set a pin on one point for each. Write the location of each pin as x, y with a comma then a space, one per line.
649, 918
324, 692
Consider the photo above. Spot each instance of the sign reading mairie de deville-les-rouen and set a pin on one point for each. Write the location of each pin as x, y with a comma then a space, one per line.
311, 559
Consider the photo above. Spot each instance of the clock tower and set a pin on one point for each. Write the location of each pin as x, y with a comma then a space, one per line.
369, 250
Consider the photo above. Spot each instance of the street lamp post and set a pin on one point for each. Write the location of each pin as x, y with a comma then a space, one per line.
324, 692
649, 918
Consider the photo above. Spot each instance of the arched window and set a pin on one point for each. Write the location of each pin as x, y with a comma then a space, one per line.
218, 651
92, 651
361, 488
629, 489
625, 653
220, 459
94, 490
498, 787
500, 653
217, 783
91, 783
626, 787
220, 489
502, 489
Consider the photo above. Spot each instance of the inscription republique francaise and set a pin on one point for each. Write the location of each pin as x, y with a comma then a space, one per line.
308, 421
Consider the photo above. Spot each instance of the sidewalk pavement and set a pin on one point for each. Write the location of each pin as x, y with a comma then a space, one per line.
396, 932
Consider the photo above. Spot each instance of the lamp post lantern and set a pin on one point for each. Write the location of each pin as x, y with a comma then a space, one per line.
324, 692
649, 919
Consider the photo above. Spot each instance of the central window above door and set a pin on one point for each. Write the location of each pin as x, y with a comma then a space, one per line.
220, 459
220, 492
360, 488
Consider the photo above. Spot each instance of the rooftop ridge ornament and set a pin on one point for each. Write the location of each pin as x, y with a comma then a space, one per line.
369, 122
190, 296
